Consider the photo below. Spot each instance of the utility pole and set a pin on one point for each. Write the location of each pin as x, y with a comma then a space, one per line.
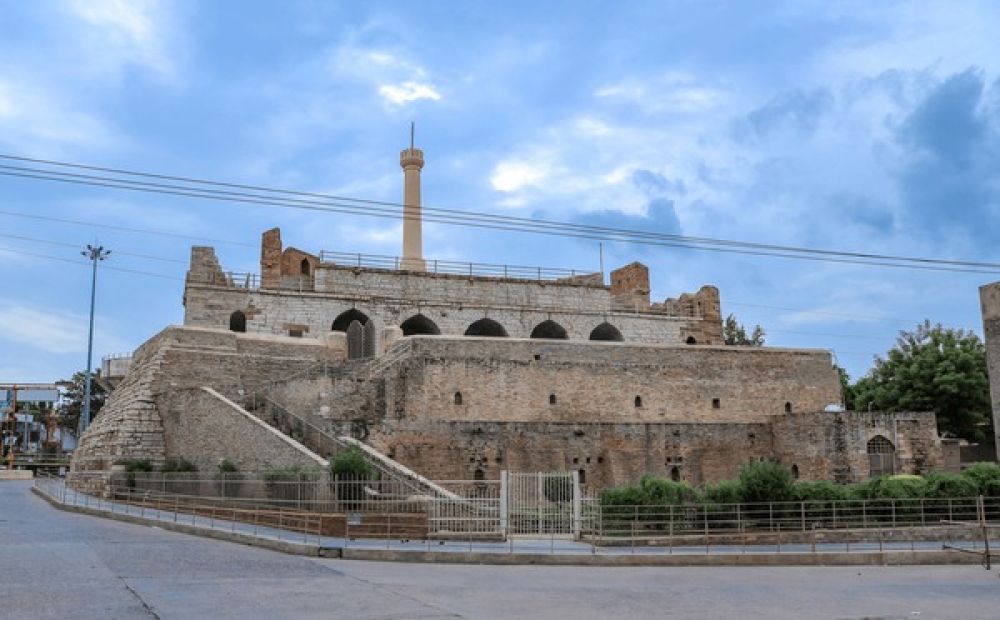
94, 254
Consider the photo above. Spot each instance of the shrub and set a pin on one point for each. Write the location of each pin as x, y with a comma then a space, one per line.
945, 485
178, 465
351, 463
722, 492
133, 466
659, 492
765, 481
227, 467
986, 476
897, 487
819, 491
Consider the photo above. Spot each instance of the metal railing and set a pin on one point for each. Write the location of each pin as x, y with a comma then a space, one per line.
460, 268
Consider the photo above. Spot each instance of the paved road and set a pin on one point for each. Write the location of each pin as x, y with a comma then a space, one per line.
55, 564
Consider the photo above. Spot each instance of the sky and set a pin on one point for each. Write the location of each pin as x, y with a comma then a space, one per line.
858, 126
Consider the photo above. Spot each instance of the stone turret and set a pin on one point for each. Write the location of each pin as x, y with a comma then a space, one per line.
412, 161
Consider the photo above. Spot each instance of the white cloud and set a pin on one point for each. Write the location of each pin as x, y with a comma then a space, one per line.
406, 92
124, 32
514, 174
53, 332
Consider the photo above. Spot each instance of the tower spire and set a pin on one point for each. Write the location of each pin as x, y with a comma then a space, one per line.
412, 161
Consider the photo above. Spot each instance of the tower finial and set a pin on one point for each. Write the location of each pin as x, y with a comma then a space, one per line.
412, 128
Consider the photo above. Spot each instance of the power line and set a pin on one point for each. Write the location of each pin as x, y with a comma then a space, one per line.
144, 231
77, 246
199, 188
86, 264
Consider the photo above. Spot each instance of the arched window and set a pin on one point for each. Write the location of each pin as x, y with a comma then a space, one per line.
237, 322
795, 472
549, 329
788, 407
419, 324
552, 399
344, 319
486, 327
881, 456
479, 474
675, 474
638, 401
458, 398
606, 331
304, 267
690, 340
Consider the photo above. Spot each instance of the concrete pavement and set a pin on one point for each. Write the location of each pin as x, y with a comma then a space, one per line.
56, 564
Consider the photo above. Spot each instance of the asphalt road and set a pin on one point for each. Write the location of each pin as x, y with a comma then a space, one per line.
55, 564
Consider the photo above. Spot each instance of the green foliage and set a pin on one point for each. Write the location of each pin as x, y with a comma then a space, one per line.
292, 473
765, 481
351, 463
896, 487
136, 465
943, 484
986, 476
71, 408
227, 467
178, 465
932, 369
658, 491
722, 492
821, 490
735, 334
846, 388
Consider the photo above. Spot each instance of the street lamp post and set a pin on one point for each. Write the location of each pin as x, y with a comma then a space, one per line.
94, 254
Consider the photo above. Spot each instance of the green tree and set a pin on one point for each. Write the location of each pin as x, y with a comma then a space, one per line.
933, 368
765, 481
69, 412
845, 387
733, 332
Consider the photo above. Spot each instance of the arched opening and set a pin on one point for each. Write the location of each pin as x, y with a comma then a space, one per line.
795, 472
788, 407
344, 319
238, 321
419, 324
458, 398
606, 331
552, 399
690, 340
486, 327
479, 474
582, 476
638, 401
675, 474
549, 329
304, 267
881, 456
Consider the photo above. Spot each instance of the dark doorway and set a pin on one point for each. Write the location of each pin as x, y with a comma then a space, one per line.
341, 323
549, 329
419, 324
606, 331
486, 327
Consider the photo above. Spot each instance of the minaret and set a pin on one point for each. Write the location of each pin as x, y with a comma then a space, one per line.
412, 160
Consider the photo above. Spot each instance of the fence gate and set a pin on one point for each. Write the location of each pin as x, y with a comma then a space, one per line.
540, 504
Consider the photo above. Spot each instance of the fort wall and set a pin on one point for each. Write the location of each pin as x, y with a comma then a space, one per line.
989, 297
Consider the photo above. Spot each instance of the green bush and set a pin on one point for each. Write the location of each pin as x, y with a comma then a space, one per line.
819, 491
178, 465
292, 473
897, 487
351, 463
986, 476
133, 465
660, 492
227, 467
945, 485
765, 481
722, 492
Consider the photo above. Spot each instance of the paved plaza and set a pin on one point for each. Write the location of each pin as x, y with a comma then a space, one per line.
59, 565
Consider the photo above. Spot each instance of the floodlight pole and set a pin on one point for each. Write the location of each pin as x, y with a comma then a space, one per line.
94, 254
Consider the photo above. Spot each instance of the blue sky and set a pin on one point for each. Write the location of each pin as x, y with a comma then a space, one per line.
851, 125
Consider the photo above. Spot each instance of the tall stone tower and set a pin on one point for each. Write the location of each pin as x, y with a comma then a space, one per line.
989, 298
412, 161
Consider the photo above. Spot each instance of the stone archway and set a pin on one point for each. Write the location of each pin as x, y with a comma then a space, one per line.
486, 327
550, 330
608, 332
344, 319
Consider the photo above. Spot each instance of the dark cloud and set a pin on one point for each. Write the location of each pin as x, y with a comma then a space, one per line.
798, 111
950, 180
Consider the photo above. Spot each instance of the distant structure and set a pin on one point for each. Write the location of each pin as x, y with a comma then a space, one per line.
458, 371
989, 298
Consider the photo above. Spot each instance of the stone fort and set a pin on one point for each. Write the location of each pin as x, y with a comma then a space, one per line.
458, 371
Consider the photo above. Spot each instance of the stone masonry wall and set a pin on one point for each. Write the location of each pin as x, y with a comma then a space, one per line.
989, 297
